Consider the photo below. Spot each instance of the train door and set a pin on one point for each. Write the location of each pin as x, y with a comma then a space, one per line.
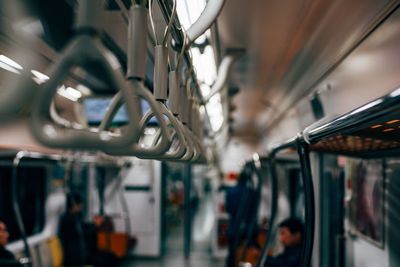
142, 191
331, 212
296, 194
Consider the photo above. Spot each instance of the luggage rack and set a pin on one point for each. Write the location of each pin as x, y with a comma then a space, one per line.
372, 130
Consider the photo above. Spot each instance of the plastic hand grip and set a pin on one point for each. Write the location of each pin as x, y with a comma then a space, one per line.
156, 110
174, 92
89, 15
160, 72
190, 152
81, 51
206, 19
184, 100
177, 152
15, 94
137, 40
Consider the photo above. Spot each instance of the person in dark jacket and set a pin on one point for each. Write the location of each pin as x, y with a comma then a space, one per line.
291, 233
239, 203
71, 232
7, 259
79, 239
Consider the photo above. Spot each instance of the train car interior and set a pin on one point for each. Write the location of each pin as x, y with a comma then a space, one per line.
199, 133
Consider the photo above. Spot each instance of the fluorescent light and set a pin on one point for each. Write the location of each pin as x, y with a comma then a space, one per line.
83, 89
205, 89
10, 62
39, 77
395, 93
189, 11
150, 131
215, 113
9, 68
73, 92
30, 26
204, 65
216, 122
202, 110
63, 92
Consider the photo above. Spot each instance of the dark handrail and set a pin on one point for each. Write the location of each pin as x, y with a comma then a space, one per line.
308, 242
352, 120
253, 222
299, 143
241, 217
274, 208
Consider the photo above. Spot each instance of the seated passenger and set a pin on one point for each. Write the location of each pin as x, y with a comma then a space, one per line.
291, 236
7, 259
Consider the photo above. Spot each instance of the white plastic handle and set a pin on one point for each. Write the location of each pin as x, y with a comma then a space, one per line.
206, 19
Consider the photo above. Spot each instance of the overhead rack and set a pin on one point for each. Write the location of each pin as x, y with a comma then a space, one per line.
372, 130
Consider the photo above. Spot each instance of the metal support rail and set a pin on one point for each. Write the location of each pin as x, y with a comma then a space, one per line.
304, 155
14, 194
298, 143
274, 208
256, 166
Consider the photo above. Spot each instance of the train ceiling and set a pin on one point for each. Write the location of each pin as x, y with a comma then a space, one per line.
290, 46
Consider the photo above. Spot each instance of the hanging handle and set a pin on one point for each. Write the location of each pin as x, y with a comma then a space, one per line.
206, 19
178, 135
82, 50
137, 42
89, 15
156, 111
161, 72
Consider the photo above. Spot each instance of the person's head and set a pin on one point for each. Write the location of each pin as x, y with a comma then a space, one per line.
74, 203
3, 234
291, 232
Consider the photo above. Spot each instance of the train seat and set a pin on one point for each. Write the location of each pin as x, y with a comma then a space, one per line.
34, 256
43, 250
56, 252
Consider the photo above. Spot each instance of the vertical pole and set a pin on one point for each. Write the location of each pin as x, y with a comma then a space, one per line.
187, 178
16, 208
101, 187
308, 186
274, 209
164, 199
324, 213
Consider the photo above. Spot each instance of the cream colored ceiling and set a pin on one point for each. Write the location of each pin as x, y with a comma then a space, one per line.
290, 45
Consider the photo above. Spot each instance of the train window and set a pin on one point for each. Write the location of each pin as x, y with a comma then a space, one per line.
31, 196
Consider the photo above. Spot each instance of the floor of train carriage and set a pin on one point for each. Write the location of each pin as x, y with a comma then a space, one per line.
200, 255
